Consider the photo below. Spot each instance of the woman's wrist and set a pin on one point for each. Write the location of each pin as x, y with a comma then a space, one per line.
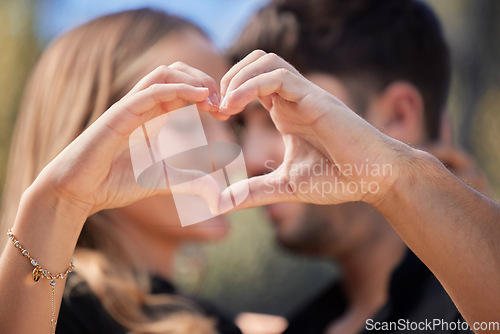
42, 243
53, 202
52, 218
49, 225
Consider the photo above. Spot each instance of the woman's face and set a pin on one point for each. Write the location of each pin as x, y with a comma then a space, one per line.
158, 214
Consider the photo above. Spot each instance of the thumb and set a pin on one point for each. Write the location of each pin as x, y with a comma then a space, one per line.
171, 180
258, 191
201, 186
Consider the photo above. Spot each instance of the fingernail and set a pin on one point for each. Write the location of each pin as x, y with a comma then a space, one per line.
223, 104
215, 100
207, 100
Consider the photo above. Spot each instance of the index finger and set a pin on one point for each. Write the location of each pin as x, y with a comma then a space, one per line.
162, 75
205, 79
250, 58
282, 82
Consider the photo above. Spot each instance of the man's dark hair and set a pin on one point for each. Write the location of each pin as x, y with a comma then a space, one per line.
366, 43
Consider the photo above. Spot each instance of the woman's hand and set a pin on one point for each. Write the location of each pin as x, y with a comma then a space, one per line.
94, 172
331, 154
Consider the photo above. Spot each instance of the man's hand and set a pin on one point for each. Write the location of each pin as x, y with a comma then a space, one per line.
453, 229
331, 154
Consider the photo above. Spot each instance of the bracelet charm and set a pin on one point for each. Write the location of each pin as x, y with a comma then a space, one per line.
39, 272
36, 275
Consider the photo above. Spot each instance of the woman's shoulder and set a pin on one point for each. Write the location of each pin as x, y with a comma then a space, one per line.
224, 324
82, 312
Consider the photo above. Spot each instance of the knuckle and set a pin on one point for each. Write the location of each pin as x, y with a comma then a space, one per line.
178, 64
224, 82
258, 52
162, 72
154, 88
162, 69
154, 91
246, 73
283, 72
272, 57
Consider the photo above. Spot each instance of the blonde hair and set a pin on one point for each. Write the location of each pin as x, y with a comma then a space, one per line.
78, 77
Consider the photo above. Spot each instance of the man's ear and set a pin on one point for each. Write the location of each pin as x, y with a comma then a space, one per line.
399, 112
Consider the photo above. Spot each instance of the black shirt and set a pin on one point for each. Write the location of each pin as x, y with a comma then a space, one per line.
82, 313
416, 298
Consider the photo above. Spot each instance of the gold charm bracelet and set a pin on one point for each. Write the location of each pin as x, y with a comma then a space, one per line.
39, 272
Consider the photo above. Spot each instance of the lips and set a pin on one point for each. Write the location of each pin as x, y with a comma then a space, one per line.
279, 211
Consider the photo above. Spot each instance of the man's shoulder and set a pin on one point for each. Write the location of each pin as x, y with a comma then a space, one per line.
417, 297
318, 312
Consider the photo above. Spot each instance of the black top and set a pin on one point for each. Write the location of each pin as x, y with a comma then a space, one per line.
83, 313
415, 295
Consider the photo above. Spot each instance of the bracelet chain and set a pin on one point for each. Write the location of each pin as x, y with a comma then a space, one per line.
39, 272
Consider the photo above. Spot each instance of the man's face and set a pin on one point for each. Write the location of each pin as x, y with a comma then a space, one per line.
306, 228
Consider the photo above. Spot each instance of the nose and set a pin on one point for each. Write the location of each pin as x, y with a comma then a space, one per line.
215, 131
263, 151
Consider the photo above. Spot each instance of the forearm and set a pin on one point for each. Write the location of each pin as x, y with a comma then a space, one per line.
453, 229
48, 227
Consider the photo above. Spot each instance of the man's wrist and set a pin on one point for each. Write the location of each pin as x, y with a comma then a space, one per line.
412, 168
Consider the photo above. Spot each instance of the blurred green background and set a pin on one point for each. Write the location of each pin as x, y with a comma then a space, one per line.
247, 271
